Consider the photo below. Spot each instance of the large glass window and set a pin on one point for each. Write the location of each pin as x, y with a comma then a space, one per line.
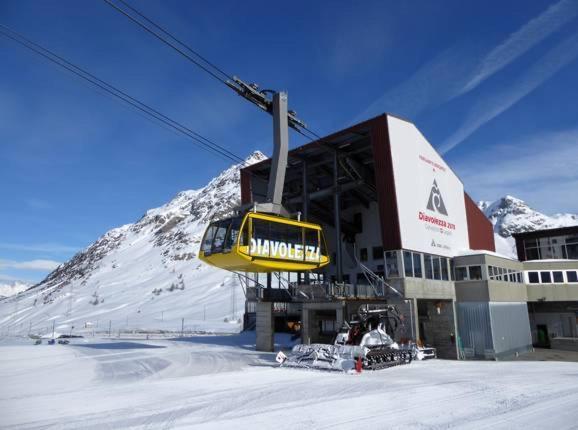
391, 264
444, 263
377, 252
572, 248
220, 235
436, 268
208, 239
417, 265
427, 259
572, 275
533, 278
475, 273
461, 273
558, 277
363, 254
546, 278
233, 233
408, 264
532, 253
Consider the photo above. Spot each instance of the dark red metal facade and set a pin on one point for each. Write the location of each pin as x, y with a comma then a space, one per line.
385, 184
480, 230
246, 195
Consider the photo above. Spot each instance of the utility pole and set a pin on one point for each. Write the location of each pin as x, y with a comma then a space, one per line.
182, 327
53, 326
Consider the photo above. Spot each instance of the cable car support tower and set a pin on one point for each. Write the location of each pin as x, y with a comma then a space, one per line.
276, 104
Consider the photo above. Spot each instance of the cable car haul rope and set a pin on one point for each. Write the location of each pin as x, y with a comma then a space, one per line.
259, 242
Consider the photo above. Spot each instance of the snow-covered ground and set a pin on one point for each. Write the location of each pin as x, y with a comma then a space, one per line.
221, 382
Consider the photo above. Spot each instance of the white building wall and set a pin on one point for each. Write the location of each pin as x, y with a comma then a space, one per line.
430, 197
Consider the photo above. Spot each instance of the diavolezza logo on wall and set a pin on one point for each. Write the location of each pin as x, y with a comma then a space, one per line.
283, 250
436, 202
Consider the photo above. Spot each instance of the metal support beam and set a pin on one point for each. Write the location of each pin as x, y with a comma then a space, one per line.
337, 215
280, 149
305, 208
305, 194
327, 192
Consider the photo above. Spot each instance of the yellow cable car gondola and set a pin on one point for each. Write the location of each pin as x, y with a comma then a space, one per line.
262, 243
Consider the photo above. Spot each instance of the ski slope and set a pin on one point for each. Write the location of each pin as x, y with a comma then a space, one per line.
144, 276
217, 382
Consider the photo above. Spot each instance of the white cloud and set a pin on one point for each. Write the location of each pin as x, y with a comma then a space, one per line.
10, 278
494, 104
435, 82
456, 71
40, 247
40, 265
519, 42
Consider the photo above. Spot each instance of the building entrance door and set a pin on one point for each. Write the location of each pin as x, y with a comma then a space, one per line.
542, 336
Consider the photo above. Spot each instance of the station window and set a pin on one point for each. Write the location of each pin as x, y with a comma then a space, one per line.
533, 278
519, 278
427, 259
417, 265
363, 254
358, 222
461, 273
546, 277
558, 277
408, 264
436, 268
391, 264
475, 273
572, 275
361, 279
491, 271
377, 252
532, 253
512, 276
572, 248
444, 263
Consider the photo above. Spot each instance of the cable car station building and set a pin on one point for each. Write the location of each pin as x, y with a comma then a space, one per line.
391, 208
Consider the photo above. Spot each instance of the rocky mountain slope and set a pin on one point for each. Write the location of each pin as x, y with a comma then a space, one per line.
142, 275
511, 215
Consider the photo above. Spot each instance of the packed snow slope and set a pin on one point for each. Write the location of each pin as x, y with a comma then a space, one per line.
144, 275
511, 215
220, 382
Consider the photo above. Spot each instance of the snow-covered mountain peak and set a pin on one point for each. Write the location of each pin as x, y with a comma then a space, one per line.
142, 270
511, 215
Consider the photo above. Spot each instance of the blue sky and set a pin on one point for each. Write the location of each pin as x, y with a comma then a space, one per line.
491, 84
